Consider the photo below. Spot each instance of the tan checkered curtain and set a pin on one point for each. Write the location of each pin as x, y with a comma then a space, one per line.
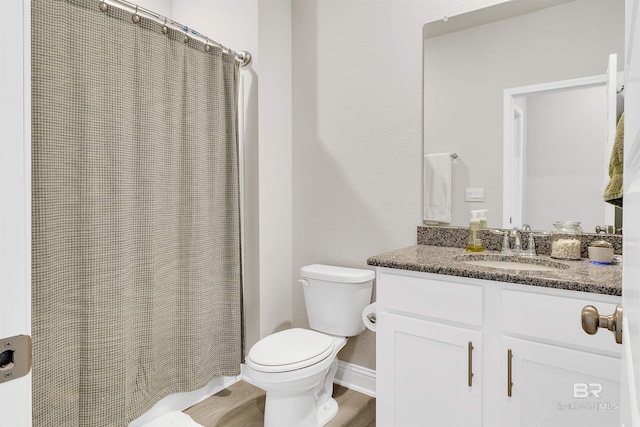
136, 232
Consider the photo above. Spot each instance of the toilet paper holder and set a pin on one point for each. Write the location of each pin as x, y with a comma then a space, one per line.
369, 317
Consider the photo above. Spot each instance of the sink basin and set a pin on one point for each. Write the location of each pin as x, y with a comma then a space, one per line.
511, 265
505, 262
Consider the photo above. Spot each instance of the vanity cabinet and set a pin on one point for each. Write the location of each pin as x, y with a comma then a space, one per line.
530, 361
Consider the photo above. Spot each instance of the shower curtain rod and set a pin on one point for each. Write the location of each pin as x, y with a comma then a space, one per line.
243, 57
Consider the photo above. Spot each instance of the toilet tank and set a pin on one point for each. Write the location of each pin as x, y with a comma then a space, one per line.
335, 298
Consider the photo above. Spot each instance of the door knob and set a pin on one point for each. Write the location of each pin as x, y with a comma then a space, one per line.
592, 320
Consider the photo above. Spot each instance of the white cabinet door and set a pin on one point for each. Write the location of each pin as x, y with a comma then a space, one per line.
423, 373
555, 386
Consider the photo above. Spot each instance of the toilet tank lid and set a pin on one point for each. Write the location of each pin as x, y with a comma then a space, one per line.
331, 273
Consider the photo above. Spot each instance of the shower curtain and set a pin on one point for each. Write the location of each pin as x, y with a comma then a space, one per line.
136, 270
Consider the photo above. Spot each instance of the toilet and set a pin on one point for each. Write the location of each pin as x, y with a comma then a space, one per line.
296, 367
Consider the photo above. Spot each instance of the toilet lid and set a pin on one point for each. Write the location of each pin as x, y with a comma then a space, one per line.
289, 350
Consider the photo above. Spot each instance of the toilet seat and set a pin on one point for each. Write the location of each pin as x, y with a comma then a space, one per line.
290, 350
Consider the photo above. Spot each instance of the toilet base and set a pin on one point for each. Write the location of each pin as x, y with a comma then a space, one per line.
327, 411
300, 414
308, 405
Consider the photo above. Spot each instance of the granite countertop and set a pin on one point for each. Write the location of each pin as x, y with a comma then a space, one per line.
579, 275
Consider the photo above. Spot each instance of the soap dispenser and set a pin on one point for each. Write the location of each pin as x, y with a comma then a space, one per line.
474, 243
482, 216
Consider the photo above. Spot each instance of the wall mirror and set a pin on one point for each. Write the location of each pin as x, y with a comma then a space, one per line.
470, 60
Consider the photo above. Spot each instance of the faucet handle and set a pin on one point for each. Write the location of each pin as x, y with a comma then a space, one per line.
506, 250
531, 247
515, 233
607, 229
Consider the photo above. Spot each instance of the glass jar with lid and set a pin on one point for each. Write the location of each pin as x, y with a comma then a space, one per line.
566, 240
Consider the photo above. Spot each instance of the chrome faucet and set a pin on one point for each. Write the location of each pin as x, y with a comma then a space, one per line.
517, 241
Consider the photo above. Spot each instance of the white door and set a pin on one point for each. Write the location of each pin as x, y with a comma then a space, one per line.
15, 199
631, 223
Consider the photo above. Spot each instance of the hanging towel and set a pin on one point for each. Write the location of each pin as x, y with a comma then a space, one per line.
613, 192
437, 187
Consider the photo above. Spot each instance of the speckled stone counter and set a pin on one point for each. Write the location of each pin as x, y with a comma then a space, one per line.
456, 237
577, 276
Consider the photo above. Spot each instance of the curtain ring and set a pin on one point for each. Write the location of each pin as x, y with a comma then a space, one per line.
103, 6
207, 48
165, 29
186, 33
135, 17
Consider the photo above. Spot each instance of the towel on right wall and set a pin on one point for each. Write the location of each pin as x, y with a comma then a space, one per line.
613, 192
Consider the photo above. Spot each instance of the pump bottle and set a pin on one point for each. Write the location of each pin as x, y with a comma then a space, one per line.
482, 216
474, 243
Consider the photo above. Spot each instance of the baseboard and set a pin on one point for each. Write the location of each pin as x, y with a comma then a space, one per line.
355, 377
182, 401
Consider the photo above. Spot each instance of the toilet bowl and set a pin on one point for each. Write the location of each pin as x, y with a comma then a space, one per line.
296, 367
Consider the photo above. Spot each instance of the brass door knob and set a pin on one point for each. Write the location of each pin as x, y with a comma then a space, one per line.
592, 321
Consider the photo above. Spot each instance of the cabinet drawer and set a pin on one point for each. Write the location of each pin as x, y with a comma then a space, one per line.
554, 318
431, 298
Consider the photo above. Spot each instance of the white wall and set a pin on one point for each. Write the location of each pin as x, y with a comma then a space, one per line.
357, 140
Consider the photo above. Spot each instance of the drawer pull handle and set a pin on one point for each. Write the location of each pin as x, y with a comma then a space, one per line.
509, 379
470, 363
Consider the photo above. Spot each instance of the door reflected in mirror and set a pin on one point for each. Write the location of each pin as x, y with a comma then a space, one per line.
557, 141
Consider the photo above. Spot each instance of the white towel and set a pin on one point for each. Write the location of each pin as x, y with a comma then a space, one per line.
437, 187
173, 419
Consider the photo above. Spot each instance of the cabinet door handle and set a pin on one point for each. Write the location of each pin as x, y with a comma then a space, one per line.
509, 378
470, 363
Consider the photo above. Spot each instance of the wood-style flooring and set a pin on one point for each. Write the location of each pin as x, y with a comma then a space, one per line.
242, 405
